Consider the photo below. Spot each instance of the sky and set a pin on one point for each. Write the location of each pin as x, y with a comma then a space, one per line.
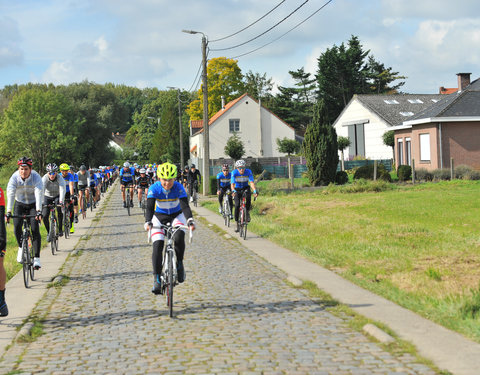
140, 42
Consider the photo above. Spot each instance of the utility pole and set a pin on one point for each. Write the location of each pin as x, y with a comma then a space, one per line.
206, 140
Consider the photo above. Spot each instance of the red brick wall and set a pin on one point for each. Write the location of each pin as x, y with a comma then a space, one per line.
461, 141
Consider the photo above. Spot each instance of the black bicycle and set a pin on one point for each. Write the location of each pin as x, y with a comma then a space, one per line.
27, 249
67, 217
143, 203
169, 276
127, 197
53, 234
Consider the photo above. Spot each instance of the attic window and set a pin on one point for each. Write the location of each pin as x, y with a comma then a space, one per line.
415, 101
434, 100
393, 101
407, 114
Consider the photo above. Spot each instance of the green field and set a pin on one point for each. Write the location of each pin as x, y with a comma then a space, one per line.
418, 246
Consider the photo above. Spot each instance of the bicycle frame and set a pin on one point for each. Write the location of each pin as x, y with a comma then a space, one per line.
28, 252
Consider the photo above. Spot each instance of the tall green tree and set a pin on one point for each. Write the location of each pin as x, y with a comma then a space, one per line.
224, 78
42, 124
346, 70
259, 86
320, 148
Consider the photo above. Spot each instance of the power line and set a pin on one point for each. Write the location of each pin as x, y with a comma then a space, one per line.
258, 36
245, 28
281, 36
196, 76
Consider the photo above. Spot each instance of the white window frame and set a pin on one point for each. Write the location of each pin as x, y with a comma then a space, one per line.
424, 142
234, 121
400, 151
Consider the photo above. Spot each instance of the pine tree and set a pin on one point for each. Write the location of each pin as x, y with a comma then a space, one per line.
320, 148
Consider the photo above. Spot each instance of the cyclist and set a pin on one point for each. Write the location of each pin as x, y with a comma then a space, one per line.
25, 190
83, 184
184, 176
3, 246
69, 194
53, 193
142, 183
126, 178
93, 185
167, 202
150, 171
223, 185
241, 178
193, 180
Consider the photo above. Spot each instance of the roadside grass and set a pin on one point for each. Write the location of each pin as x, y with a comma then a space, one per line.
418, 245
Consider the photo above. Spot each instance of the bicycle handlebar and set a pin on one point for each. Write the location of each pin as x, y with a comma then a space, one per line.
174, 229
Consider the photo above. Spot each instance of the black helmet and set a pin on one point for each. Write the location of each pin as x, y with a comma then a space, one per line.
83, 168
25, 161
192, 166
186, 167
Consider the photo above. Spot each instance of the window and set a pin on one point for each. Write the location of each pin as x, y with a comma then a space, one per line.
408, 149
434, 100
392, 101
356, 134
415, 101
400, 151
424, 147
407, 114
234, 125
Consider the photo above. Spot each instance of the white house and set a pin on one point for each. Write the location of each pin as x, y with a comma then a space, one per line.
367, 117
256, 126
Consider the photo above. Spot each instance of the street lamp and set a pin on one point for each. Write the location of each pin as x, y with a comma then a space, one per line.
179, 125
206, 142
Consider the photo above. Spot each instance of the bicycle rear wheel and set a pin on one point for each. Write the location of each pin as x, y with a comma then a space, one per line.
53, 236
66, 225
26, 262
30, 263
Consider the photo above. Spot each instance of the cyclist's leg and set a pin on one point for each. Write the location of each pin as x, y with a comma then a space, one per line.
123, 192
46, 214
36, 238
80, 200
237, 204
179, 240
220, 199
60, 219
18, 210
248, 205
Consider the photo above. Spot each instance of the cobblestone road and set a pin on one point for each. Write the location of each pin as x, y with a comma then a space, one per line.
233, 315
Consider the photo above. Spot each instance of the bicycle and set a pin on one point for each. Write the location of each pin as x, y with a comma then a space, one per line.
83, 203
28, 253
169, 276
243, 222
53, 233
226, 209
194, 193
92, 198
144, 202
127, 197
67, 218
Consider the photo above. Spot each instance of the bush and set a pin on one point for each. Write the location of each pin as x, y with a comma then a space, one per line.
366, 172
472, 175
423, 175
256, 168
341, 178
404, 172
213, 185
441, 174
462, 171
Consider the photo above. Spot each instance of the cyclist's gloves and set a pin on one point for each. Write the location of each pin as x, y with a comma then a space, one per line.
191, 223
9, 216
148, 225
39, 215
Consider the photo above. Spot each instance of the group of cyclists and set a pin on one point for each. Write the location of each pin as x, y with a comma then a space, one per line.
166, 202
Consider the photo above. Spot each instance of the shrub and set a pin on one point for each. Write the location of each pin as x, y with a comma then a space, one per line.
404, 172
423, 175
472, 175
256, 168
366, 172
441, 174
341, 178
461, 171
213, 185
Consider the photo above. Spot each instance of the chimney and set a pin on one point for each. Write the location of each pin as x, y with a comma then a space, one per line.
223, 102
463, 80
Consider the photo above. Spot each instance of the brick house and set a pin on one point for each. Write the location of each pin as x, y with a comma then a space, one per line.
448, 129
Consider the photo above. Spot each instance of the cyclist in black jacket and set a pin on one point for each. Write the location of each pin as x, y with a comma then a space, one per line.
3, 245
193, 181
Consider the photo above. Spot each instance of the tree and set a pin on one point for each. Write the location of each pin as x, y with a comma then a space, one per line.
343, 143
347, 70
258, 86
389, 140
288, 146
234, 147
224, 78
320, 148
43, 124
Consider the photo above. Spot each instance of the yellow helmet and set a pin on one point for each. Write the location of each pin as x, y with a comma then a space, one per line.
167, 171
64, 167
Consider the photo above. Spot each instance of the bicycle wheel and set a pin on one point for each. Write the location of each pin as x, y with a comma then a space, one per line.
30, 263
91, 201
26, 262
84, 208
144, 206
128, 202
53, 235
170, 285
245, 225
242, 220
66, 225
195, 198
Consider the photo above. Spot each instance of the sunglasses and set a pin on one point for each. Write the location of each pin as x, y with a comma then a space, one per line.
241, 167
52, 173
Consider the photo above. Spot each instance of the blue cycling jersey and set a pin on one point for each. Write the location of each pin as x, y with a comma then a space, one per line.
167, 202
224, 180
93, 180
69, 177
126, 174
75, 177
241, 180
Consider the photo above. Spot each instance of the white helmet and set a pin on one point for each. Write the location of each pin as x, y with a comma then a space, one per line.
240, 163
126, 164
143, 170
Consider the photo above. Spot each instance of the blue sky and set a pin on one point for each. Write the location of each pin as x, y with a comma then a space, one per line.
140, 43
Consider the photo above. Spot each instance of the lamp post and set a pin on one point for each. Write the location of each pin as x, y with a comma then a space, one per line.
180, 133
206, 142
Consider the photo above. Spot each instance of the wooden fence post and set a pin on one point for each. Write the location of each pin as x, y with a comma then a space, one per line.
452, 169
413, 171
375, 170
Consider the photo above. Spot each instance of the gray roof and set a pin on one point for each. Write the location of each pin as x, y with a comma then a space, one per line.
459, 104
403, 107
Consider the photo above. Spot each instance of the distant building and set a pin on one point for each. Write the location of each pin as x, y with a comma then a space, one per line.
117, 141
